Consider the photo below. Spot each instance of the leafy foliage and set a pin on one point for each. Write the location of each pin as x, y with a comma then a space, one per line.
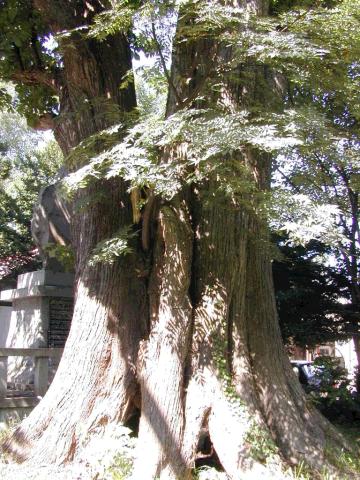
318, 186
308, 294
26, 166
108, 251
208, 134
121, 468
118, 19
23, 45
332, 393
63, 253
297, 47
329, 375
262, 447
206, 140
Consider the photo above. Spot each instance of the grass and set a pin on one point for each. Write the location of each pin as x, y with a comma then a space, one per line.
347, 463
351, 431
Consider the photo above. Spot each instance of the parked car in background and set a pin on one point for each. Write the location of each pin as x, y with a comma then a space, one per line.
330, 387
306, 373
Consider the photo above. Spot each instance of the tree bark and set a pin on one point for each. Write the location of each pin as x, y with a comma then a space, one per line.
235, 377
164, 353
95, 384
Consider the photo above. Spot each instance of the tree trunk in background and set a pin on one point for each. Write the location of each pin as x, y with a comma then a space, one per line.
95, 383
351, 265
356, 342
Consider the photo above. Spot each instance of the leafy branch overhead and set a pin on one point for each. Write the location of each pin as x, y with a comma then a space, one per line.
207, 137
315, 48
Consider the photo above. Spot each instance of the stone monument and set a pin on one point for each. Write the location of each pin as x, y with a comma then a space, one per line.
50, 226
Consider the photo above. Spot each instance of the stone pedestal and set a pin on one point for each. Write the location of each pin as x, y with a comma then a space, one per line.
5, 317
41, 314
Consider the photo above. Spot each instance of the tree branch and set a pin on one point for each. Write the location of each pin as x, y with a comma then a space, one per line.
36, 77
163, 64
288, 180
18, 56
35, 50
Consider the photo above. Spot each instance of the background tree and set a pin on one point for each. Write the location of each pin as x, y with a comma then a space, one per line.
321, 172
308, 295
324, 183
28, 163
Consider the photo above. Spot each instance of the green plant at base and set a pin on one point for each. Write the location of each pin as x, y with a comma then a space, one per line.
208, 473
301, 472
262, 447
345, 462
121, 468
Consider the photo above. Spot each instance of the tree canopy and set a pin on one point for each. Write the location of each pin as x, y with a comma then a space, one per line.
310, 295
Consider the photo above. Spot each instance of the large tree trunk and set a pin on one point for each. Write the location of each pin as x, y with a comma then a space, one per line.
233, 379
95, 383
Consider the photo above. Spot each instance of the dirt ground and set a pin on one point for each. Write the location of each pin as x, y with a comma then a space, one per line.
45, 472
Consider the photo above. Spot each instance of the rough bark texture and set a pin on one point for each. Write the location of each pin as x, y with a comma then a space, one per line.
237, 377
95, 383
356, 341
161, 367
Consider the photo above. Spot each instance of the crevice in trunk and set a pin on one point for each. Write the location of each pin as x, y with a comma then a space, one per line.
206, 455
